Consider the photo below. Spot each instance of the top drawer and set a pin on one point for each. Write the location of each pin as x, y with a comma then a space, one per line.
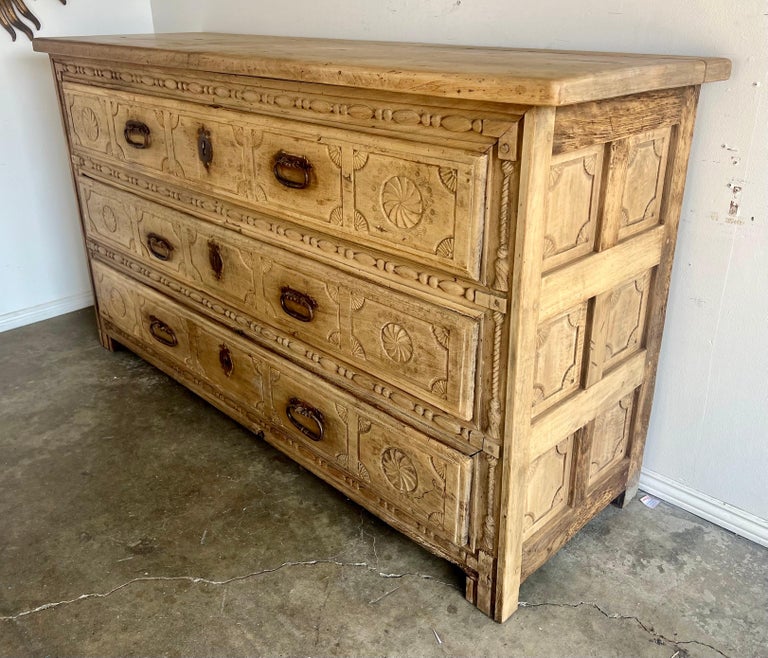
406, 198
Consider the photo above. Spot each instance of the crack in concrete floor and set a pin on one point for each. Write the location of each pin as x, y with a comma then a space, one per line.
657, 637
227, 581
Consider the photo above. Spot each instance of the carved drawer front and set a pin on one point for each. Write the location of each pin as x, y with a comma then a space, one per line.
406, 198
145, 318
429, 480
397, 468
425, 349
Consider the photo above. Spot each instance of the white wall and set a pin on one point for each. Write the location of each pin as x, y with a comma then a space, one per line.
42, 261
708, 440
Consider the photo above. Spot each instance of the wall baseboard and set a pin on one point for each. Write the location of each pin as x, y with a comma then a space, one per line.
726, 516
45, 311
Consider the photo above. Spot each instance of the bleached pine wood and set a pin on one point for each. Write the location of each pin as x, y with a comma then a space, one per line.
435, 276
507, 75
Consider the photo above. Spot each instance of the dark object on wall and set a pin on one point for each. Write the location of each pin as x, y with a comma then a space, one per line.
11, 14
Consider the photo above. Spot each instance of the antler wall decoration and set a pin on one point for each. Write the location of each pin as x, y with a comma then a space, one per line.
9, 17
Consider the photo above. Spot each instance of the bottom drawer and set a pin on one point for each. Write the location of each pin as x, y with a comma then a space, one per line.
393, 466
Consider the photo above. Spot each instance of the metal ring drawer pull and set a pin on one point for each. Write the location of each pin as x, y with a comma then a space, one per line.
161, 332
137, 134
296, 408
204, 146
159, 247
292, 170
297, 304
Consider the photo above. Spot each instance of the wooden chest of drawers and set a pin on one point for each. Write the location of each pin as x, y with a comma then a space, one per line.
435, 276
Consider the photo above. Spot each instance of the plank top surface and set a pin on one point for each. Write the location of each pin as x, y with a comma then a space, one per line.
507, 75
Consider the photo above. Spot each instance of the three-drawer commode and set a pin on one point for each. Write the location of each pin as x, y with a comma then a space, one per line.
434, 276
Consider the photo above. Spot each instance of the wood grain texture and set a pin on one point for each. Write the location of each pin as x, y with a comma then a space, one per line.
525, 284
507, 75
437, 282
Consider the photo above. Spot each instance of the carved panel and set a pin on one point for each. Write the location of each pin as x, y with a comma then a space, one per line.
610, 437
429, 207
232, 369
107, 216
300, 401
220, 264
549, 485
146, 317
88, 119
626, 312
284, 288
153, 150
419, 348
559, 356
572, 204
646, 169
229, 170
423, 477
321, 199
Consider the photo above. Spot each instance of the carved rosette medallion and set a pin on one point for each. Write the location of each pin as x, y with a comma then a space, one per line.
399, 470
401, 202
396, 343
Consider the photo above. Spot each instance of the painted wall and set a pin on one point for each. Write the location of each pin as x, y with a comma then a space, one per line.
42, 261
708, 439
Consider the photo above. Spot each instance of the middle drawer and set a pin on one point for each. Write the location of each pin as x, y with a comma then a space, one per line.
423, 348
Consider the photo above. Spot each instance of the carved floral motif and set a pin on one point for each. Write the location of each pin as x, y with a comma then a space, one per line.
399, 470
396, 343
401, 201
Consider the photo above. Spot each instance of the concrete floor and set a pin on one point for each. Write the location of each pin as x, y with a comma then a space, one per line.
135, 519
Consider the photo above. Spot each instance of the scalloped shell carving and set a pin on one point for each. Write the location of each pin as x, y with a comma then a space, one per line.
361, 223
357, 348
440, 388
362, 471
334, 153
445, 248
449, 178
359, 159
401, 202
342, 411
89, 122
399, 470
442, 335
337, 216
363, 425
396, 343
357, 301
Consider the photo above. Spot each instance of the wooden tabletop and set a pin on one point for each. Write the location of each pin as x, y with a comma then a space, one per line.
507, 75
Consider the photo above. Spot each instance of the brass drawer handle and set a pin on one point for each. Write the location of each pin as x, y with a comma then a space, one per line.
297, 304
296, 408
225, 360
215, 260
292, 170
159, 247
137, 134
161, 332
204, 146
